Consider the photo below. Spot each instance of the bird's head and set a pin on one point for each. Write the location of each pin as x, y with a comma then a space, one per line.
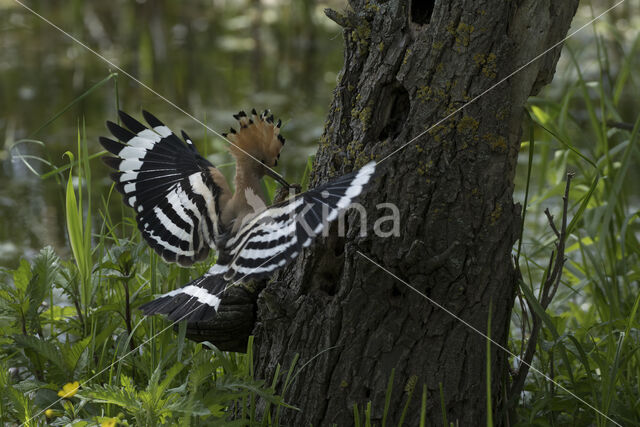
256, 145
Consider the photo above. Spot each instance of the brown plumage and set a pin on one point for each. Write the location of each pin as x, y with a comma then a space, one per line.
256, 148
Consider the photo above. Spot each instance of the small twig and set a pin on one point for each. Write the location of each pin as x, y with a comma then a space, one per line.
525, 317
548, 291
338, 18
551, 278
525, 323
563, 237
553, 281
551, 223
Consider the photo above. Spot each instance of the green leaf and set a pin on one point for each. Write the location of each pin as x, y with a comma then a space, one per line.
169, 376
122, 397
72, 352
74, 222
46, 266
546, 319
22, 276
59, 313
46, 349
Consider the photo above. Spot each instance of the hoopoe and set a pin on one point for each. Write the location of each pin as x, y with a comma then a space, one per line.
185, 206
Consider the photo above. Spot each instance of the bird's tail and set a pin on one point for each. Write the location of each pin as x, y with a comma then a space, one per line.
196, 301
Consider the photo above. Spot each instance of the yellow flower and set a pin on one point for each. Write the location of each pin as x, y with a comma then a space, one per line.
109, 422
69, 390
49, 413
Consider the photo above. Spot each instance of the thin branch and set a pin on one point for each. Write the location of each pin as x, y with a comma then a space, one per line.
525, 317
551, 223
338, 18
548, 291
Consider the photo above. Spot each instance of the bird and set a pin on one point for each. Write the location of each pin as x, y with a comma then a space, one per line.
185, 207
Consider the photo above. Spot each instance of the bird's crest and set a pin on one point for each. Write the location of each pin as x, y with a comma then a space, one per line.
258, 137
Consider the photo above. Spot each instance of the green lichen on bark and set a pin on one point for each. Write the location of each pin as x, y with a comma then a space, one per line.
407, 54
324, 140
427, 93
467, 125
361, 35
487, 64
462, 34
363, 115
467, 129
496, 142
496, 213
371, 6
424, 168
440, 132
424, 93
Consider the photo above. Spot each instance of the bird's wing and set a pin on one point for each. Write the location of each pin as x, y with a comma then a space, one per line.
263, 245
195, 301
278, 234
169, 184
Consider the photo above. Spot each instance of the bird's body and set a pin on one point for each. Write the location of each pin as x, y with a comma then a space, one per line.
185, 206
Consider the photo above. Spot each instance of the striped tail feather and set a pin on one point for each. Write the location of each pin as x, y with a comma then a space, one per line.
196, 301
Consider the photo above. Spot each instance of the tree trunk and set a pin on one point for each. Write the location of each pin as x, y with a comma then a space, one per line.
406, 67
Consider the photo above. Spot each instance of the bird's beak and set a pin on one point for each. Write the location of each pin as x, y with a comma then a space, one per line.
279, 179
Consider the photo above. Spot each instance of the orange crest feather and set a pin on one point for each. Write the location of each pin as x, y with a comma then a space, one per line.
259, 137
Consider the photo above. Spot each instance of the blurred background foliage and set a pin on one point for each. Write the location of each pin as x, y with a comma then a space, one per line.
68, 311
211, 58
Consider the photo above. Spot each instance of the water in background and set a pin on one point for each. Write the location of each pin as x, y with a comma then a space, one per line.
212, 58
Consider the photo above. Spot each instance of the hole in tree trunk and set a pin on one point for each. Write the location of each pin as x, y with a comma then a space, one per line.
328, 268
421, 11
392, 114
395, 292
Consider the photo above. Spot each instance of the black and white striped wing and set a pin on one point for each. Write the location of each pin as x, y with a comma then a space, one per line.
266, 243
169, 185
277, 235
195, 301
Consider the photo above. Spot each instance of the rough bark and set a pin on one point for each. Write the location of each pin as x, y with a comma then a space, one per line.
406, 67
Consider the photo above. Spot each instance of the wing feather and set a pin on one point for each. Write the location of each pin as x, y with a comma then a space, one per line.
277, 235
263, 245
170, 186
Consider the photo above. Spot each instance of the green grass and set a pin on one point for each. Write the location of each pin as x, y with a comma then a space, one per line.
589, 341
75, 319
